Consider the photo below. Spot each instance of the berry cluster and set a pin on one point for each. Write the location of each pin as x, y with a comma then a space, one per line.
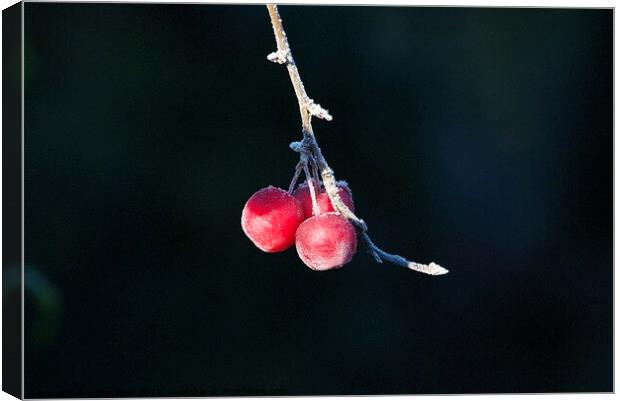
274, 219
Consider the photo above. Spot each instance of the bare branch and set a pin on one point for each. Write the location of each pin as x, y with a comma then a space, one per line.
310, 152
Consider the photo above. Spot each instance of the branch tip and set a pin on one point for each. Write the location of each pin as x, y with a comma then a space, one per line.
432, 268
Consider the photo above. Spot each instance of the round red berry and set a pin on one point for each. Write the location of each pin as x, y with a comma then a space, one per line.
302, 193
270, 219
327, 241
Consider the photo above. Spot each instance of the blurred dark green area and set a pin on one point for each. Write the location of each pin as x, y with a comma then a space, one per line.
477, 138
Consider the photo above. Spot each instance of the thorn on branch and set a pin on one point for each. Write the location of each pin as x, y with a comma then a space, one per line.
296, 146
280, 57
316, 110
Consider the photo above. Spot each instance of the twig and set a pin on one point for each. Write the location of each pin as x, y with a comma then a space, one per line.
283, 55
311, 152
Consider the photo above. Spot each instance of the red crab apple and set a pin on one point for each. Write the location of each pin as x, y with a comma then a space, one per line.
270, 219
302, 193
327, 241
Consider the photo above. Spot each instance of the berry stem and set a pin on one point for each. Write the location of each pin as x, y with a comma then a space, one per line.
311, 152
298, 169
315, 206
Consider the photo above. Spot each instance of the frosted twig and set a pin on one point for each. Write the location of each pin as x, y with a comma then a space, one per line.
432, 268
310, 152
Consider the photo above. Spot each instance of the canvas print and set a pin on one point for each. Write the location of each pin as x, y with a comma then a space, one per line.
259, 200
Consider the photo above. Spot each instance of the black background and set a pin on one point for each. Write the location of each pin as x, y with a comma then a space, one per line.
477, 138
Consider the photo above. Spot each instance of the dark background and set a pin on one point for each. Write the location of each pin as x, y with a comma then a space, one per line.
477, 138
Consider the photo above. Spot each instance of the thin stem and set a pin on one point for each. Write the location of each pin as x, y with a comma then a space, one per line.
315, 171
315, 206
310, 151
298, 169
